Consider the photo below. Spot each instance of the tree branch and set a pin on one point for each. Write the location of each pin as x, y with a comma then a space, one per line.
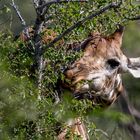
38, 26
18, 13
41, 8
133, 18
60, 1
79, 23
20, 18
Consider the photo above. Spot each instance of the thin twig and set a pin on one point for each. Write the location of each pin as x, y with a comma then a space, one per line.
79, 23
20, 18
18, 13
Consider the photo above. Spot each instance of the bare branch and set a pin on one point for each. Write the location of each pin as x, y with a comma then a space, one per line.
39, 61
40, 18
79, 23
20, 18
18, 13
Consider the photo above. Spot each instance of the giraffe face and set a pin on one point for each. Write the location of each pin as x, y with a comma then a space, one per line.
97, 72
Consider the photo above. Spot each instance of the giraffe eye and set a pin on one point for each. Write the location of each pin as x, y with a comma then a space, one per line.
113, 63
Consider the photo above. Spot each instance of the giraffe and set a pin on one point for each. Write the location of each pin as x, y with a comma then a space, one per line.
97, 74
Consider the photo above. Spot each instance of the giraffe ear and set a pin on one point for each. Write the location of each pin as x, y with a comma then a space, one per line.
134, 66
118, 34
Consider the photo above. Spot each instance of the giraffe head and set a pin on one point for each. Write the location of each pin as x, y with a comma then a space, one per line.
97, 74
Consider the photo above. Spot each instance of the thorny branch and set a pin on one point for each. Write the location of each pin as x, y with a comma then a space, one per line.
41, 8
60, 1
48, 4
79, 23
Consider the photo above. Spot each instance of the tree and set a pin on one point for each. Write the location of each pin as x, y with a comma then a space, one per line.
36, 67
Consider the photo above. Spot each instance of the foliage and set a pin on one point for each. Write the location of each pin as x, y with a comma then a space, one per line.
24, 113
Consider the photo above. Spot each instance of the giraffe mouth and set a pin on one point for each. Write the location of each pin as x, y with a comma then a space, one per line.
87, 95
87, 89
96, 98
